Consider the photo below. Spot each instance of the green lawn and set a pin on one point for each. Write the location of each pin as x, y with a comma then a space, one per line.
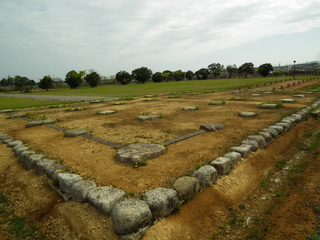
16, 103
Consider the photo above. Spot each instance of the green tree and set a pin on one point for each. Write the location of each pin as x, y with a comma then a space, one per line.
189, 74
74, 79
231, 69
46, 83
93, 78
142, 74
178, 75
246, 69
167, 75
157, 77
123, 77
20, 82
215, 69
202, 73
265, 69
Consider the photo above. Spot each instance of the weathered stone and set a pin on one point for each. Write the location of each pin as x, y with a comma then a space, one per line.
299, 96
139, 152
161, 201
269, 105
76, 132
244, 150
12, 116
42, 166
255, 95
107, 112
279, 129
207, 175
67, 180
291, 119
148, 118
247, 114
190, 108
287, 100
105, 198
212, 127
274, 133
290, 123
54, 170
80, 190
298, 117
130, 215
24, 155
19, 149
267, 136
41, 122
260, 139
7, 140
3, 136
6, 110
31, 161
217, 103
315, 113
235, 157
186, 187
222, 165
285, 126
15, 143
254, 144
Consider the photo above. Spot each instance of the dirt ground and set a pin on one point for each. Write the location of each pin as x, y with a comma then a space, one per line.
204, 217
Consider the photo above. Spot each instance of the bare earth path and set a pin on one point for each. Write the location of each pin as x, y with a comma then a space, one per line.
202, 217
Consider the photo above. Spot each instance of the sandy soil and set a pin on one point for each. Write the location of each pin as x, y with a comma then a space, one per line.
203, 216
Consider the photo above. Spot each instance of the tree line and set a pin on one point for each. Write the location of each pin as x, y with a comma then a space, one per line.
141, 75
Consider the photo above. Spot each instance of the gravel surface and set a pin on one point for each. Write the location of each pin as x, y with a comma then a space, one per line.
55, 98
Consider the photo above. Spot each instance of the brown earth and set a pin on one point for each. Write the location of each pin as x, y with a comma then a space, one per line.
205, 216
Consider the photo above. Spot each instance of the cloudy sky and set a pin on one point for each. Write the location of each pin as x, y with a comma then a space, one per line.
46, 37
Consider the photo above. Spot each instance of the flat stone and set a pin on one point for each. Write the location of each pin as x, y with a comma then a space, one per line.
260, 139
186, 187
235, 157
279, 129
274, 133
207, 175
255, 95
287, 100
217, 103
41, 122
80, 190
139, 152
212, 127
67, 180
222, 165
130, 215
42, 166
148, 118
12, 116
19, 149
15, 143
161, 201
299, 96
254, 144
6, 110
247, 114
190, 108
107, 112
244, 150
269, 106
285, 126
267, 136
76, 132
105, 198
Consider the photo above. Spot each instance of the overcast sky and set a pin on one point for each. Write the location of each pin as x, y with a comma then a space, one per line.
52, 37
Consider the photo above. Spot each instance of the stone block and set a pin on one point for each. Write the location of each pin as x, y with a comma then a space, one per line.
279, 129
161, 201
54, 170
260, 139
25, 155
186, 187
75, 132
267, 136
269, 106
254, 144
235, 157
274, 133
80, 190
212, 127
67, 180
148, 118
222, 165
130, 215
287, 100
42, 165
285, 126
15, 143
31, 160
107, 112
19, 149
207, 175
244, 150
190, 108
247, 114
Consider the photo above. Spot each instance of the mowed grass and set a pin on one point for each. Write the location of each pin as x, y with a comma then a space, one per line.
17, 103
165, 87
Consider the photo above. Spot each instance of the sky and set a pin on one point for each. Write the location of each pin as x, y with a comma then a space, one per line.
45, 37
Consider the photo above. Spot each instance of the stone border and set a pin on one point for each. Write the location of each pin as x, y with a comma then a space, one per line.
131, 217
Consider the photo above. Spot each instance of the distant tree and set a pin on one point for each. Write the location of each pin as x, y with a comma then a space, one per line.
74, 79
215, 69
178, 75
93, 78
20, 82
265, 69
46, 83
246, 69
142, 74
189, 74
123, 77
167, 75
202, 73
157, 77
231, 69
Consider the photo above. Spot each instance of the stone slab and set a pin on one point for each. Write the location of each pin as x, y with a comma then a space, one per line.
212, 127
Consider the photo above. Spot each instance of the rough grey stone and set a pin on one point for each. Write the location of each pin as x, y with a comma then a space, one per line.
7, 140
41, 122
161, 201
288, 122
222, 165
217, 103
19, 149
107, 112
269, 105
67, 180
267, 136
31, 161
42, 166
15, 143
148, 118
76, 132
274, 133
299, 96
287, 100
235, 157
254, 144
139, 152
285, 126
279, 129
315, 113
24, 155
80, 190
54, 170
260, 139
255, 95
12, 116
298, 117
6, 110
130, 215
212, 126
244, 150
186, 187
105, 198
3, 136
247, 114
207, 175
190, 108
